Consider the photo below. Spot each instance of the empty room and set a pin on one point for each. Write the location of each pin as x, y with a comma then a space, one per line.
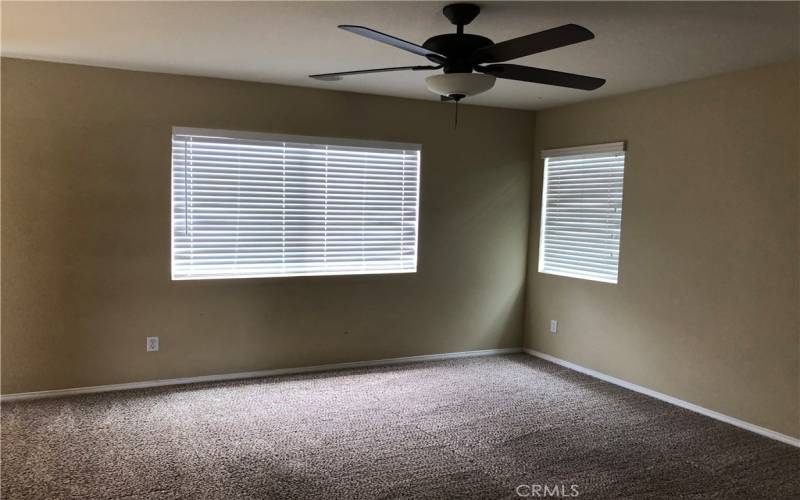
374, 250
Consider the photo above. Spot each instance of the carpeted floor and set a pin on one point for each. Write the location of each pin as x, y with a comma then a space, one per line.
481, 428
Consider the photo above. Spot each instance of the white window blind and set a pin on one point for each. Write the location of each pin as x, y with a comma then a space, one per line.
582, 212
258, 205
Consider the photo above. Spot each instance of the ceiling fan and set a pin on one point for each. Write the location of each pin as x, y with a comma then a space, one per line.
471, 62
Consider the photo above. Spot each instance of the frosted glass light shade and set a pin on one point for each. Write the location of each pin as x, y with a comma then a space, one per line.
461, 84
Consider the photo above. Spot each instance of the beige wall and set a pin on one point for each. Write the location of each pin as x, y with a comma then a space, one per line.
86, 226
706, 309
707, 305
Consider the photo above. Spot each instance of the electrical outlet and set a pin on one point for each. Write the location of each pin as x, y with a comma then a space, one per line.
553, 326
152, 344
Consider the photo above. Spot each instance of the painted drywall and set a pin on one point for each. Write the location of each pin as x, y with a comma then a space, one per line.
706, 309
707, 305
86, 233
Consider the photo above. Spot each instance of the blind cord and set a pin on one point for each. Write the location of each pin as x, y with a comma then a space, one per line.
185, 187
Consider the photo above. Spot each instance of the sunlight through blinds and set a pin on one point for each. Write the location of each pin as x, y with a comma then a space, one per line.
582, 212
258, 205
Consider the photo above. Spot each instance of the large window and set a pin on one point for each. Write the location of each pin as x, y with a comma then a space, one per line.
257, 205
582, 211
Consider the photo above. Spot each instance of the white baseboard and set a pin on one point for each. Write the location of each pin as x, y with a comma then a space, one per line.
395, 361
22, 396
669, 399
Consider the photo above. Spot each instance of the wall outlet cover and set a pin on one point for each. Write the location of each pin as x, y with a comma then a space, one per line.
152, 344
553, 326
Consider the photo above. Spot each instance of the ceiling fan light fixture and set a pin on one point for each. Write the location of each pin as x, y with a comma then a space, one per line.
459, 84
461, 54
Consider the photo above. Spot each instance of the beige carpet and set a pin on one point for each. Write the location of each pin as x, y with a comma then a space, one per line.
473, 428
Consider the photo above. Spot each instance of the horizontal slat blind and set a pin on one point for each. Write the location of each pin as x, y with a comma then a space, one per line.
582, 215
244, 206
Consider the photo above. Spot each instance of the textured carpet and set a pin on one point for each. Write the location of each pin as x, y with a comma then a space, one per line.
482, 428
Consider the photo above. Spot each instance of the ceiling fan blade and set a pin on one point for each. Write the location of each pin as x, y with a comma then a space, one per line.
394, 42
329, 77
545, 76
533, 43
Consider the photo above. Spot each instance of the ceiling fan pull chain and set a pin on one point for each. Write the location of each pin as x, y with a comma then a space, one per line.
455, 125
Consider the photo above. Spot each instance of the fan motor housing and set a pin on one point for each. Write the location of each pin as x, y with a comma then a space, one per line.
457, 47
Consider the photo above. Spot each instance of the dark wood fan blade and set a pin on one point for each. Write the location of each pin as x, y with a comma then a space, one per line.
545, 76
533, 43
394, 42
329, 77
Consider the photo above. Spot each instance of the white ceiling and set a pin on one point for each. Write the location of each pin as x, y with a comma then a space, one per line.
637, 45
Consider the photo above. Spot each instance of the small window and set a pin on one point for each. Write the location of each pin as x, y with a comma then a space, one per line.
582, 211
250, 205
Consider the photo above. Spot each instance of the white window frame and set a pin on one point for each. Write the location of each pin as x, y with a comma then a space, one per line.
310, 140
617, 149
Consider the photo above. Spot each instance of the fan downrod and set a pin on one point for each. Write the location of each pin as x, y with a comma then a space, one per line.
457, 47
